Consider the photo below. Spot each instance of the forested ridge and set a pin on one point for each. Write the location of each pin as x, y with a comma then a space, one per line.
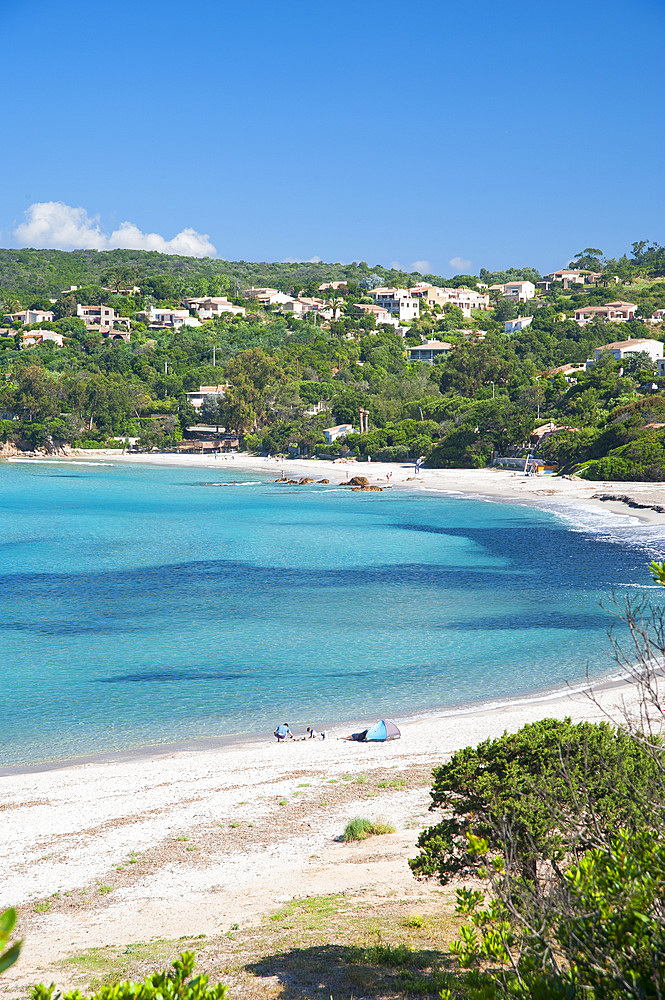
484, 397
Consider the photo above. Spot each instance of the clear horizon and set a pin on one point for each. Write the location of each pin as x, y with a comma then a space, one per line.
415, 138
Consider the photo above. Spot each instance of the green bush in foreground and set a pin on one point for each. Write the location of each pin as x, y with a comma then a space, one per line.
173, 985
361, 829
7, 923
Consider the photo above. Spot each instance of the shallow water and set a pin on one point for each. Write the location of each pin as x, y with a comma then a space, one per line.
143, 605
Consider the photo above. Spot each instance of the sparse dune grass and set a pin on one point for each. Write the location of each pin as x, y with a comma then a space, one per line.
361, 829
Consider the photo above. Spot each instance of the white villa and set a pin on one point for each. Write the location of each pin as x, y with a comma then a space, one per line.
624, 348
398, 302
518, 291
27, 316
198, 398
340, 430
160, 318
511, 325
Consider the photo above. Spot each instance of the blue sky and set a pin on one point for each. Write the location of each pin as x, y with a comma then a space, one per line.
493, 134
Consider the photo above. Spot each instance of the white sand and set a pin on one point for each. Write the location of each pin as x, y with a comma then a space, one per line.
68, 829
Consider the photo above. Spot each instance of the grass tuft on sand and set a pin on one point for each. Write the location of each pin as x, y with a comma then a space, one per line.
361, 829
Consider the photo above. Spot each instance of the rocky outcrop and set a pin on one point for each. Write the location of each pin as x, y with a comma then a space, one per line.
304, 481
324, 480
359, 481
367, 489
629, 502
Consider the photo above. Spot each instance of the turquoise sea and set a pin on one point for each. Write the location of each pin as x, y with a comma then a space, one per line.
144, 605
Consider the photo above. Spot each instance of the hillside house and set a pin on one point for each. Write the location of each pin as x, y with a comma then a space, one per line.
340, 430
28, 316
568, 371
96, 317
465, 299
624, 348
518, 291
334, 286
398, 302
512, 325
380, 314
160, 318
303, 305
569, 276
658, 316
198, 398
613, 312
429, 351
36, 337
267, 296
211, 306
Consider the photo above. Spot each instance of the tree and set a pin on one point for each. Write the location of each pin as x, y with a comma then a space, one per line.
588, 259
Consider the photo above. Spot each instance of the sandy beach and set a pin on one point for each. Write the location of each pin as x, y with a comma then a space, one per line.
196, 842
183, 843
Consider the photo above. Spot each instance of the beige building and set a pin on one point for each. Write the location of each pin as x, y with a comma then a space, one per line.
211, 306
160, 318
614, 312
464, 298
34, 337
380, 314
96, 317
267, 296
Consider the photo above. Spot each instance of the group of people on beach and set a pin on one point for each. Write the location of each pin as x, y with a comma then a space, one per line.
283, 732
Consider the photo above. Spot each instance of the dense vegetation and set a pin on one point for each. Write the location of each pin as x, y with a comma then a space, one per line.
483, 397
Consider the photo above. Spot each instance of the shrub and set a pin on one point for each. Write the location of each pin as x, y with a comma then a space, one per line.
173, 985
361, 829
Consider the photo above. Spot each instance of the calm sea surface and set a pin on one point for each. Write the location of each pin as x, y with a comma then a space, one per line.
144, 605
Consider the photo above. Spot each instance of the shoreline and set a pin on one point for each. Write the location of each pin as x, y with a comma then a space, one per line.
239, 741
196, 842
487, 483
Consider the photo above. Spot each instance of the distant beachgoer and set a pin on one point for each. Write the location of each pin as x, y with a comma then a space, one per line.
283, 732
312, 733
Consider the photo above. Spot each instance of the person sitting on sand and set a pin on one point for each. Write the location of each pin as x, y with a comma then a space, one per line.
283, 732
311, 733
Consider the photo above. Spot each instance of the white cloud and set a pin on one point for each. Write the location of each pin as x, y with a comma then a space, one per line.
422, 266
395, 265
54, 225
459, 263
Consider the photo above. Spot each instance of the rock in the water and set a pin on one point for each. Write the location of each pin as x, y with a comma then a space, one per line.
324, 480
304, 481
359, 481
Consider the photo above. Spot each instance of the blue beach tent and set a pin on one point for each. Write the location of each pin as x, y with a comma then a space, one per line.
382, 731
